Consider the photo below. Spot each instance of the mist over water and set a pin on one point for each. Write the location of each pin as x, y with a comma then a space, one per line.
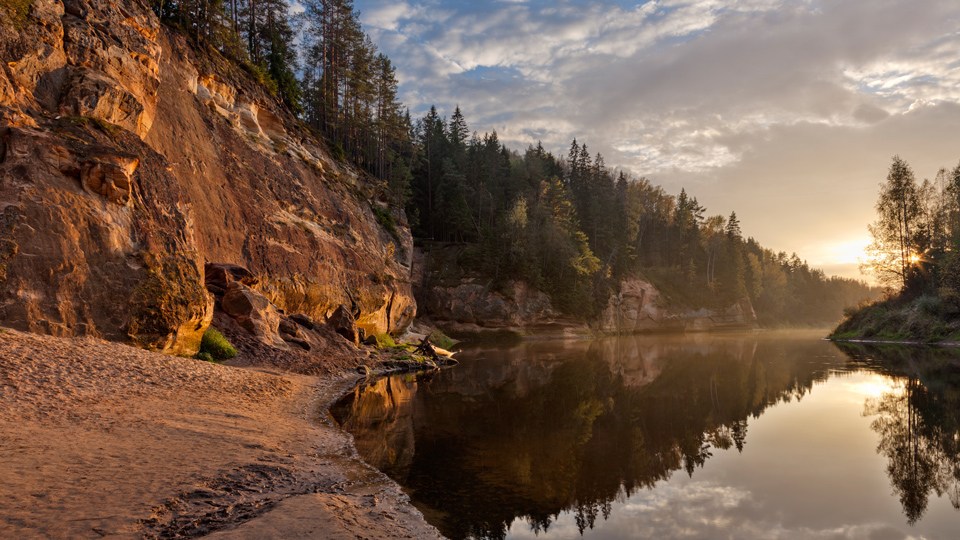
761, 435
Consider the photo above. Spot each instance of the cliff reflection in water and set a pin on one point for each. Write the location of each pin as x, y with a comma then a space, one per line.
542, 428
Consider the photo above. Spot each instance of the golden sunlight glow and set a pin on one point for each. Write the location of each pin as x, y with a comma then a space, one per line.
841, 257
846, 252
878, 385
914, 258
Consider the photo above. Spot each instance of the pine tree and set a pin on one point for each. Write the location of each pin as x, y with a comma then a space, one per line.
733, 226
281, 57
458, 129
733, 275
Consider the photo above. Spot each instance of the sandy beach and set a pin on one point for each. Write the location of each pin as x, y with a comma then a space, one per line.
99, 439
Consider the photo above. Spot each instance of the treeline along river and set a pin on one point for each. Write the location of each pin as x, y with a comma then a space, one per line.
761, 435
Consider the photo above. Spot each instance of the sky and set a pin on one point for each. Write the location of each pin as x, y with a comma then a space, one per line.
786, 111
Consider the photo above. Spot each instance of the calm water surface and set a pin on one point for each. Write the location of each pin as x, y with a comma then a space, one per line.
767, 435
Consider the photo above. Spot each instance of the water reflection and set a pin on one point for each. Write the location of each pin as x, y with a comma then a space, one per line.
543, 429
917, 421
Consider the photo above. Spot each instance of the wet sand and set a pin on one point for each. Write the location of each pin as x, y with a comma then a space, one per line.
99, 439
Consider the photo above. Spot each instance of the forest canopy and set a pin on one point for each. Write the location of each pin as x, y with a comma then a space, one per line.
568, 225
574, 228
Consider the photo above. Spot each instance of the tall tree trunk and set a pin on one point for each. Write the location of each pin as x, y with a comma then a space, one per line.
196, 21
430, 183
252, 31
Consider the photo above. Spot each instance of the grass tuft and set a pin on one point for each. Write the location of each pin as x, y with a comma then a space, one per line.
385, 340
110, 129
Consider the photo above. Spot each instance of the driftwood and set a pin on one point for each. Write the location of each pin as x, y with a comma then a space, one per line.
426, 348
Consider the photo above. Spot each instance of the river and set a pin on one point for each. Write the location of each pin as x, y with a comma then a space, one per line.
757, 435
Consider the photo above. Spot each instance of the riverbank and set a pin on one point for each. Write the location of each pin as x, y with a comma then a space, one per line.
894, 342
100, 439
923, 319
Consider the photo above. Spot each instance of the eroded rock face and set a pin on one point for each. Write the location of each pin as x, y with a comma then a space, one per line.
275, 203
86, 58
474, 302
468, 307
112, 61
639, 308
80, 257
253, 120
264, 322
344, 324
472, 308
123, 169
218, 277
254, 312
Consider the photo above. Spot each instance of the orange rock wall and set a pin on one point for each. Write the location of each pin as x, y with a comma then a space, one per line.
127, 161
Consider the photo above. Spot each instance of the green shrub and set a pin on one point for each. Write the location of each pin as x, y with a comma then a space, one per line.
441, 340
14, 12
930, 305
262, 76
385, 340
337, 152
215, 345
386, 220
205, 356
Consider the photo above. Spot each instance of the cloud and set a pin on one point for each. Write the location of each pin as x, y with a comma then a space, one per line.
693, 92
705, 510
388, 16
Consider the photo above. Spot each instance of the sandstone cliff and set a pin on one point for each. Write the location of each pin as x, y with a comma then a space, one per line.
639, 307
128, 160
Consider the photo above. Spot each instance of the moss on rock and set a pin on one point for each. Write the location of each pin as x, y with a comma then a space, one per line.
170, 309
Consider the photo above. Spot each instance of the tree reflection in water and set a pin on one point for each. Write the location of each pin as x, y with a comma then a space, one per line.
917, 421
532, 431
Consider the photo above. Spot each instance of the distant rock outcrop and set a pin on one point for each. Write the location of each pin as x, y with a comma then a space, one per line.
128, 161
639, 307
471, 308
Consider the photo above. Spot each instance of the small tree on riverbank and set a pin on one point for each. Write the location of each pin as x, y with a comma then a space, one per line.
892, 252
